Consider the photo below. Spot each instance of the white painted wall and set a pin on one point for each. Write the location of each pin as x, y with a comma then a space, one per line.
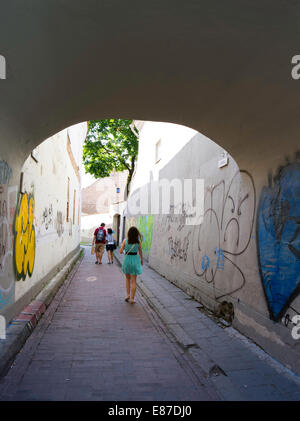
100, 202
248, 243
47, 181
173, 138
90, 222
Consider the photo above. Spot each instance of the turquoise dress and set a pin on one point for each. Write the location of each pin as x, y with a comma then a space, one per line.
132, 263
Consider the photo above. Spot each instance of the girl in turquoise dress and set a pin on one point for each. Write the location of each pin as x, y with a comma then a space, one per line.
132, 264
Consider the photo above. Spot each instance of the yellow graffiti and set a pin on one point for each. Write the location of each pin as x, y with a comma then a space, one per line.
24, 249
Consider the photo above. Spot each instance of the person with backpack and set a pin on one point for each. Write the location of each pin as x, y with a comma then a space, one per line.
110, 245
133, 262
99, 242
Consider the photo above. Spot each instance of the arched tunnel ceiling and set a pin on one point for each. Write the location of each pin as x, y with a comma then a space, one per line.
220, 67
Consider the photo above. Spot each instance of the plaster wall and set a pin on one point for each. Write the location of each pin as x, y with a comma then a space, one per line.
40, 227
245, 250
100, 202
90, 222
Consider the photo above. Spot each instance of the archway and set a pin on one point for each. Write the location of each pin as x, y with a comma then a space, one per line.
223, 69
207, 65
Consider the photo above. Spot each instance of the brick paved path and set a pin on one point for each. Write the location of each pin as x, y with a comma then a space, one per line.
92, 345
237, 368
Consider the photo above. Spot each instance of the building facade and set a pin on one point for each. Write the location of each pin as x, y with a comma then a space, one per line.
103, 201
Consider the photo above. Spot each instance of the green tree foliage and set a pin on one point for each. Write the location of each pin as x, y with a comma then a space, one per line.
110, 145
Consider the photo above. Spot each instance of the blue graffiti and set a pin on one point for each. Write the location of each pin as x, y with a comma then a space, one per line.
6, 298
205, 262
220, 258
278, 236
5, 172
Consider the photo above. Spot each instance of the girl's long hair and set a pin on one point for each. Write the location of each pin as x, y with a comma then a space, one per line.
134, 236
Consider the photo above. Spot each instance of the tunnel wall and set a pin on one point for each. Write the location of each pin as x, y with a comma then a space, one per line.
245, 252
37, 235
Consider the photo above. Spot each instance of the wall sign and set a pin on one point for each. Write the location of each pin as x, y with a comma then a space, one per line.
2, 67
223, 161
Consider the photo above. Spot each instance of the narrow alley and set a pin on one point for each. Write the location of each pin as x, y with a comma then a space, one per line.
92, 345
168, 130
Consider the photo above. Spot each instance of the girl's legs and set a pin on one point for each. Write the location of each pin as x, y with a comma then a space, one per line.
133, 288
109, 256
127, 286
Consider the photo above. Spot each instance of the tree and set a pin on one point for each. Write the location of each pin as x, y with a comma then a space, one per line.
110, 145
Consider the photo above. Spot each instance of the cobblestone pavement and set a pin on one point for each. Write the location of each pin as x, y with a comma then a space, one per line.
92, 345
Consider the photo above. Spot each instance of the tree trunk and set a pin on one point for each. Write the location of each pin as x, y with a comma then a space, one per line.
129, 178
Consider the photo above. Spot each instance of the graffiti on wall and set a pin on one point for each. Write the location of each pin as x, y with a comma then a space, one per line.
179, 233
225, 233
145, 225
287, 318
278, 239
5, 176
59, 224
47, 216
178, 248
24, 230
175, 218
5, 172
8, 196
174, 221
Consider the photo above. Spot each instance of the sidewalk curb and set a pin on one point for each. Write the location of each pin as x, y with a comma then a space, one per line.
19, 329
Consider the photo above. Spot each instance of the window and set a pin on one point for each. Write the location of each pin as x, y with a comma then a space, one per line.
158, 151
2, 67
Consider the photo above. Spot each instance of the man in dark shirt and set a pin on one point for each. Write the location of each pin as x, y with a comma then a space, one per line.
99, 242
